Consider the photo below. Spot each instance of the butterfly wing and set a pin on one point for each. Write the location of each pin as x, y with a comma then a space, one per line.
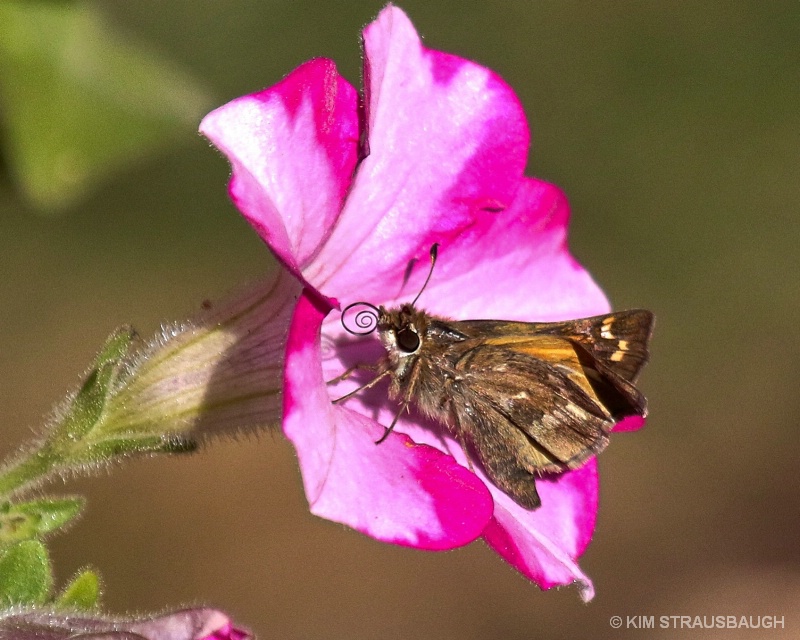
524, 415
534, 398
619, 340
612, 349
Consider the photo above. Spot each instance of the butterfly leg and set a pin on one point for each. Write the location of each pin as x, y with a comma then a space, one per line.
390, 428
409, 394
463, 443
351, 371
369, 384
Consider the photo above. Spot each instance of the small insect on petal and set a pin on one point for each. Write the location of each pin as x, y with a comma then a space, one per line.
523, 399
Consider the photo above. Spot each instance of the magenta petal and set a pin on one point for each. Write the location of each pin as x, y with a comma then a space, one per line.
397, 491
515, 265
293, 148
544, 544
228, 632
630, 423
447, 139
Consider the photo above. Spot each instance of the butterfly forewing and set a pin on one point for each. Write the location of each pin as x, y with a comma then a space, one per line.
618, 339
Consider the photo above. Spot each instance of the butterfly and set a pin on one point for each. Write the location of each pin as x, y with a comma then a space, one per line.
522, 398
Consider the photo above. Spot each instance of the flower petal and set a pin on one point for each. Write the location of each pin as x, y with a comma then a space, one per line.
293, 148
544, 544
397, 491
447, 139
515, 265
188, 624
630, 423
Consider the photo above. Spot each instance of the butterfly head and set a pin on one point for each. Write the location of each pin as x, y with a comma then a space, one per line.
402, 330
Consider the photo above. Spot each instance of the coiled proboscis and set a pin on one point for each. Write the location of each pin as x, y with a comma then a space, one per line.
364, 322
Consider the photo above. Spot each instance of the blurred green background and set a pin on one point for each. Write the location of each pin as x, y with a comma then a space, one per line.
673, 127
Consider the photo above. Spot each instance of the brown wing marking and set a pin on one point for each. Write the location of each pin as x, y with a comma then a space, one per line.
554, 423
604, 365
618, 340
503, 450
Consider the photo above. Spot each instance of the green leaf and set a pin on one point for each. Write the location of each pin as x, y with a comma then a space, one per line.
82, 593
80, 99
25, 576
35, 518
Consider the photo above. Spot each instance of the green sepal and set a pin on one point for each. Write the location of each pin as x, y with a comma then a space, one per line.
25, 574
27, 520
82, 593
117, 447
86, 409
116, 347
178, 444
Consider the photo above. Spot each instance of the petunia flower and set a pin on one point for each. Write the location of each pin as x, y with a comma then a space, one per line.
189, 624
350, 195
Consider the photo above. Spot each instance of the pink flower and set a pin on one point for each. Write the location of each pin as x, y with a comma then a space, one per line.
347, 199
189, 624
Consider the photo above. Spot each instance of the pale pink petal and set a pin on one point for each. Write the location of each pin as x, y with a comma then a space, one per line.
447, 140
544, 544
189, 624
511, 265
515, 265
293, 148
397, 491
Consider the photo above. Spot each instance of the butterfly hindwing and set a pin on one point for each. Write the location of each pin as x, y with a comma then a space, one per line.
555, 423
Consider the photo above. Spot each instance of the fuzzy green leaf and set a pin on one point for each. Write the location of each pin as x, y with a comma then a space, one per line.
83, 593
35, 518
25, 575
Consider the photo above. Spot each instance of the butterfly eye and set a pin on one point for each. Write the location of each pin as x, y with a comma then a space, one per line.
407, 340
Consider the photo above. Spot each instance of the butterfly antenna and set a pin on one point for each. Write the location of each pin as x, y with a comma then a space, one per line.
434, 253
